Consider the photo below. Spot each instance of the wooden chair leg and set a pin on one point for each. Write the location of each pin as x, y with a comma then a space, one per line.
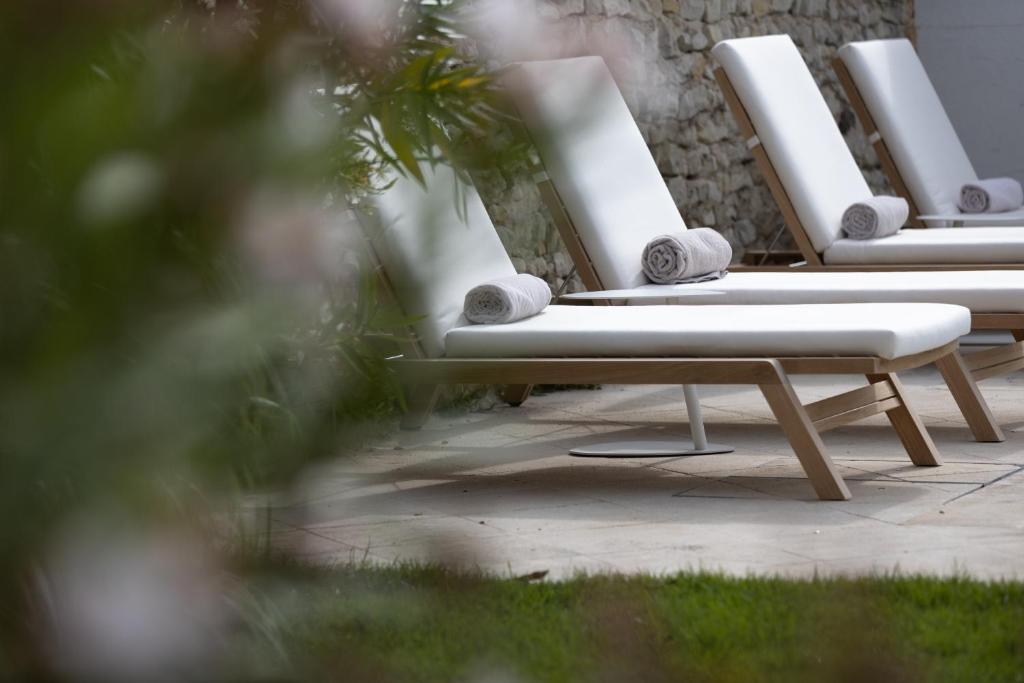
419, 404
916, 440
805, 440
972, 404
515, 394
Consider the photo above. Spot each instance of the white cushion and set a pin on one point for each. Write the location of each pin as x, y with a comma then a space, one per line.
933, 245
598, 161
797, 130
882, 330
431, 254
912, 121
999, 291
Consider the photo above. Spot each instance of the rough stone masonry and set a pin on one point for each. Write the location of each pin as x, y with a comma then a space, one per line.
659, 51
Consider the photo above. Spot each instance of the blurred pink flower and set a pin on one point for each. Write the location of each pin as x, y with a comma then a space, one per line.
130, 606
295, 240
365, 22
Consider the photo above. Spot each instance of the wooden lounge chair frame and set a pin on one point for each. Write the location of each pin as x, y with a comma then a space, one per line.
990, 363
813, 259
802, 424
960, 374
892, 171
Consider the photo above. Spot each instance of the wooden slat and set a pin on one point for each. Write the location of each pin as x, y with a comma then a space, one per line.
856, 414
856, 365
998, 370
862, 365
994, 356
917, 360
867, 123
805, 440
997, 321
827, 365
570, 237
764, 164
588, 370
645, 370
515, 394
858, 398
409, 343
916, 439
967, 396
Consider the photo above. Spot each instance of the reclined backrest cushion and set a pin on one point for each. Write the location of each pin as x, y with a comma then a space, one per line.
598, 161
912, 121
797, 130
432, 252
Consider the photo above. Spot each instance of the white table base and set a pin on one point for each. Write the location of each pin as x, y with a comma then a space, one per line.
655, 448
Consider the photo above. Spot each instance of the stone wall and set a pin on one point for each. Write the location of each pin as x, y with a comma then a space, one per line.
659, 51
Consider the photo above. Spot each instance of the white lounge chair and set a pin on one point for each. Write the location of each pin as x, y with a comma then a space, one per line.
814, 177
906, 123
602, 185
429, 265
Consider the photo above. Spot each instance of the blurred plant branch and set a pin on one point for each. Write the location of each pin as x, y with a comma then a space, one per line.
181, 315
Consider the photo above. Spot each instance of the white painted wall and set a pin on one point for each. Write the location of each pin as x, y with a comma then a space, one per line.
974, 52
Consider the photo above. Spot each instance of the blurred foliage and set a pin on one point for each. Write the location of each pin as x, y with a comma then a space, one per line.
182, 310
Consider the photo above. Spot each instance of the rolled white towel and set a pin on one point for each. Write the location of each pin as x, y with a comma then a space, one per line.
875, 217
507, 299
991, 195
686, 256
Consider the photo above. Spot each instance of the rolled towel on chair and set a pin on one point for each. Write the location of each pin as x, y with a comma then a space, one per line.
507, 299
686, 256
992, 195
875, 217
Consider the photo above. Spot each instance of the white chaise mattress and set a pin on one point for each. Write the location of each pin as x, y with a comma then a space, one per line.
982, 291
882, 330
932, 245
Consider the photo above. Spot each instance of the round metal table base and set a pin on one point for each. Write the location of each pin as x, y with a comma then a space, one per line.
647, 449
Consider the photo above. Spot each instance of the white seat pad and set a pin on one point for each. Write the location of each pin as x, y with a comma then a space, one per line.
882, 330
999, 291
933, 245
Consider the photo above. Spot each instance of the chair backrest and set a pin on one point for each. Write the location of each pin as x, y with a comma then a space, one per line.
597, 160
432, 252
797, 131
913, 124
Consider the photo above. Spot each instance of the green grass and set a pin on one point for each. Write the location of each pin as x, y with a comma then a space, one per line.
429, 624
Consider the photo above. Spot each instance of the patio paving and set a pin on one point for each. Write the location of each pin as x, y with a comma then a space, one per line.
497, 490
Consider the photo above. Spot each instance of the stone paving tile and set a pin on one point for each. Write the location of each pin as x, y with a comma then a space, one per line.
981, 563
760, 560
506, 550
557, 569
312, 547
497, 490
869, 540
419, 531
998, 505
570, 519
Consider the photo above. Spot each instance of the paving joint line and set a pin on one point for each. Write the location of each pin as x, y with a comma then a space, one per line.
1019, 469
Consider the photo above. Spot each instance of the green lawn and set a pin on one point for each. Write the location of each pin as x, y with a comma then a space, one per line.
427, 624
